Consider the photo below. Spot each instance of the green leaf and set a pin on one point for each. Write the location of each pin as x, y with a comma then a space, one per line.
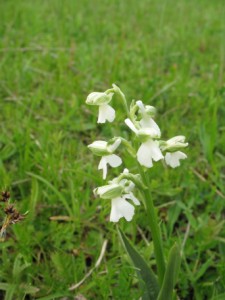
19, 265
151, 287
51, 186
171, 274
7, 151
201, 271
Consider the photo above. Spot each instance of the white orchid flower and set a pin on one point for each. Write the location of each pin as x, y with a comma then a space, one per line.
120, 206
106, 112
172, 159
148, 130
172, 147
119, 191
147, 121
106, 150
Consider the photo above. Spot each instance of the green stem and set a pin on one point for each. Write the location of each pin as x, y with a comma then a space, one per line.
155, 229
121, 95
124, 101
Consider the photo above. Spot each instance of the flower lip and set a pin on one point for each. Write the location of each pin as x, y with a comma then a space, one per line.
106, 113
148, 152
173, 159
121, 209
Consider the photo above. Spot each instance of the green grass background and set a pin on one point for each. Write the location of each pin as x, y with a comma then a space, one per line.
170, 54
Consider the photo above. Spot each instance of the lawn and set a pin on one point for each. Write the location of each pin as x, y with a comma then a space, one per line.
170, 54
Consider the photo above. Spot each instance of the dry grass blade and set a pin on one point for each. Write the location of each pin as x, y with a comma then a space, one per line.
98, 262
202, 178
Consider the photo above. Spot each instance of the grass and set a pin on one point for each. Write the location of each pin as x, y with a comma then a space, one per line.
53, 53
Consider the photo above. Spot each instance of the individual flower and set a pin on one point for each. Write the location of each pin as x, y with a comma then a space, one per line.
171, 147
119, 191
146, 116
106, 150
147, 130
106, 112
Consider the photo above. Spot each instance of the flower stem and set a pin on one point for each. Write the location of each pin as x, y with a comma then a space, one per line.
155, 229
121, 95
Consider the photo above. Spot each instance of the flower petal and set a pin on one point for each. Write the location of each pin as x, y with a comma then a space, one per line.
121, 208
156, 152
106, 113
132, 197
144, 155
173, 159
147, 152
115, 145
128, 188
148, 122
141, 107
130, 124
113, 160
103, 166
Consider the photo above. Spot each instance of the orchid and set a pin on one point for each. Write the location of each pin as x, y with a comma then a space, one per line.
119, 191
173, 157
146, 148
106, 150
147, 130
106, 112
147, 112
